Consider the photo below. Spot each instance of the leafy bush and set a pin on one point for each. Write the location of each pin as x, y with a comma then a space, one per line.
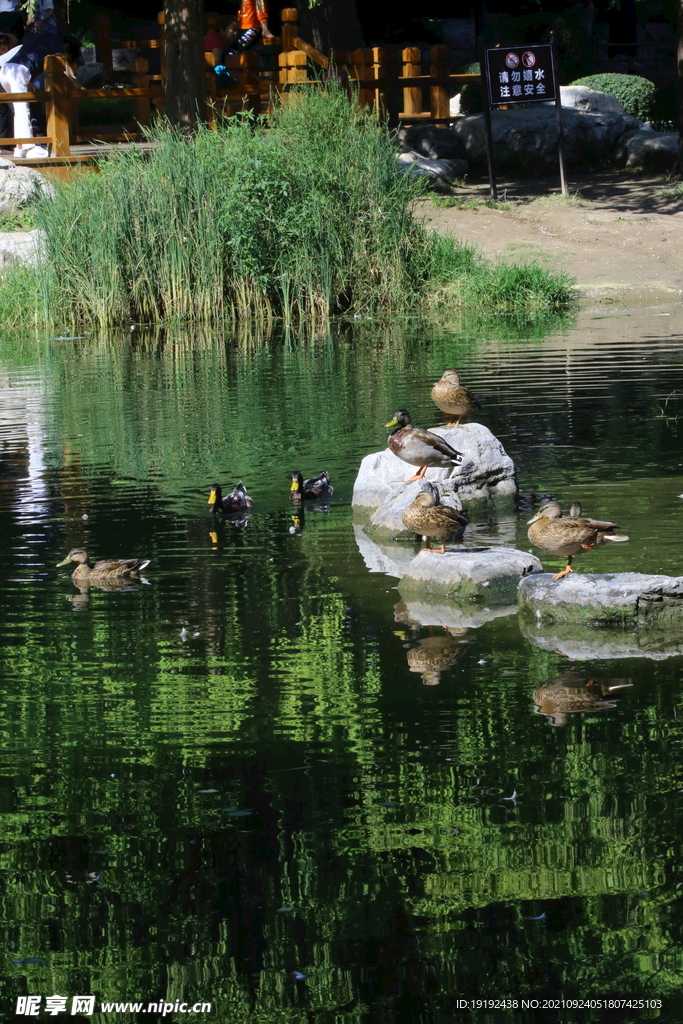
636, 95
470, 94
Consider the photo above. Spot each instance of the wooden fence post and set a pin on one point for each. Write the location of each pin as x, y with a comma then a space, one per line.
439, 100
412, 94
60, 90
289, 17
142, 106
162, 51
293, 67
101, 28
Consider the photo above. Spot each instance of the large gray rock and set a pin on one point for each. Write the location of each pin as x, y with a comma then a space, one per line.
590, 101
21, 185
451, 616
429, 141
486, 471
586, 642
387, 520
527, 137
645, 150
20, 247
626, 599
486, 575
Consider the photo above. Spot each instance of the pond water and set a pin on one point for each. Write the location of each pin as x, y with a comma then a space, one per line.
232, 785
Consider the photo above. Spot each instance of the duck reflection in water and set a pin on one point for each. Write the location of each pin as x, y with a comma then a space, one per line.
433, 655
572, 692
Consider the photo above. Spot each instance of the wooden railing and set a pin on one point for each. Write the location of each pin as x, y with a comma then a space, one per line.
395, 82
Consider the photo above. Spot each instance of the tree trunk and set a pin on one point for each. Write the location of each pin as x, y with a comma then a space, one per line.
184, 50
331, 24
678, 166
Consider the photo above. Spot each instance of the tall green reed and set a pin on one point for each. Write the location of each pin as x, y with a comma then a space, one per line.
301, 216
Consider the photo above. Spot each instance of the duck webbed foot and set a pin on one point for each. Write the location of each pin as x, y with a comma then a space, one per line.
565, 572
418, 476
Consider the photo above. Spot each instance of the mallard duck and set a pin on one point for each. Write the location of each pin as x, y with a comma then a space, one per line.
237, 501
430, 518
453, 398
568, 536
100, 572
419, 447
572, 692
317, 488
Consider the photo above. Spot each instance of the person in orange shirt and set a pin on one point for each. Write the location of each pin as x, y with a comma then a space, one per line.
253, 14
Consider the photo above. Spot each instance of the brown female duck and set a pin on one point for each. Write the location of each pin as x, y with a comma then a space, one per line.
419, 447
107, 570
570, 535
453, 397
430, 518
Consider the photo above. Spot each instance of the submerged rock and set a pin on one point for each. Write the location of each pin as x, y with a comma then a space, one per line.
485, 471
583, 643
488, 575
450, 616
627, 599
383, 556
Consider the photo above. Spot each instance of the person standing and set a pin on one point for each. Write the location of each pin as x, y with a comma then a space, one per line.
17, 74
253, 17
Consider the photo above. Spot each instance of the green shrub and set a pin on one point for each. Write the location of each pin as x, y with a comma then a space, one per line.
470, 94
636, 95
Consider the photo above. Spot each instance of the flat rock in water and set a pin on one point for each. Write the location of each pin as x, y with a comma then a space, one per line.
451, 616
583, 643
488, 575
486, 471
627, 599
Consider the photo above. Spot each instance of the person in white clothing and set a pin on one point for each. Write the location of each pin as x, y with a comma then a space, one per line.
18, 68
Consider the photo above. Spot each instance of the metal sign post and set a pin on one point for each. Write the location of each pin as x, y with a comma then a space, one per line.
558, 114
523, 74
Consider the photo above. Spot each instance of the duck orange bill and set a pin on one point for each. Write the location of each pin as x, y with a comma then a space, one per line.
212, 498
392, 423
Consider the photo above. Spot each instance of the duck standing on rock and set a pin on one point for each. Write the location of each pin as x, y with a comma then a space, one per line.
237, 501
570, 535
317, 488
107, 570
419, 447
430, 518
452, 397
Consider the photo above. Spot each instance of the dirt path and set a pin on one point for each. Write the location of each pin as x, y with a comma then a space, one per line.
621, 238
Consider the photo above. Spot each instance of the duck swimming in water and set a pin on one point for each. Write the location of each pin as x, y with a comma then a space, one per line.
237, 501
316, 488
419, 447
107, 570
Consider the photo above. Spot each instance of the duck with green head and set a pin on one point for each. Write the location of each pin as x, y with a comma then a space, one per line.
237, 501
316, 488
419, 447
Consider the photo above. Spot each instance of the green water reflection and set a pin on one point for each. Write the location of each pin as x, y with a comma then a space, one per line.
234, 776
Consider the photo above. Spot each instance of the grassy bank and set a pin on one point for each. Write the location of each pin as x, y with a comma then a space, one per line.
306, 219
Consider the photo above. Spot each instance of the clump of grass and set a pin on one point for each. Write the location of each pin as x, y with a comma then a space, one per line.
302, 218
524, 292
